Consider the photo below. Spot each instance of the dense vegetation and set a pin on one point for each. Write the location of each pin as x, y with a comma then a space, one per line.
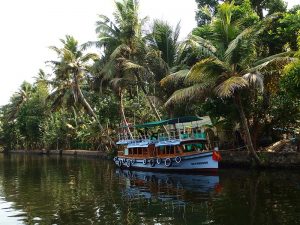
240, 66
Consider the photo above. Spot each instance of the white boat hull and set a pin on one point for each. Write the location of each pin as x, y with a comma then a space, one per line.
199, 161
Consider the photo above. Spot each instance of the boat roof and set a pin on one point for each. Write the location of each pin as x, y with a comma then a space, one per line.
141, 144
180, 142
183, 119
124, 142
167, 143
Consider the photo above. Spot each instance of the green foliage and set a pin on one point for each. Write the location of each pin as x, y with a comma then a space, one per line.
23, 116
234, 52
275, 6
285, 110
31, 115
206, 9
263, 6
107, 108
164, 38
291, 79
55, 130
244, 14
280, 32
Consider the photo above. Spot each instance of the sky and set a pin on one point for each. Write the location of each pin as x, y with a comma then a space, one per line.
29, 27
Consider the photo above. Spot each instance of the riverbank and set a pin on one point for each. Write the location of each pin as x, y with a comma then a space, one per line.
230, 159
269, 159
75, 153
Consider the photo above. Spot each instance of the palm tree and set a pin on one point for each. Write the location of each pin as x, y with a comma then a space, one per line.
42, 78
165, 39
230, 65
71, 71
18, 99
127, 59
117, 84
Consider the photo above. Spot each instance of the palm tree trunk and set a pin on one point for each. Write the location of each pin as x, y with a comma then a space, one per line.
154, 109
246, 128
122, 111
89, 109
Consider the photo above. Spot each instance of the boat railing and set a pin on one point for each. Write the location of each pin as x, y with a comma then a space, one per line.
172, 135
191, 134
182, 136
134, 139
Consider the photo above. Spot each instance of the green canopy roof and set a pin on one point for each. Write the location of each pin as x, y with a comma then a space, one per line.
184, 119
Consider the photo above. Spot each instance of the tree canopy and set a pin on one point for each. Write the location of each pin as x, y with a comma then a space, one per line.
240, 66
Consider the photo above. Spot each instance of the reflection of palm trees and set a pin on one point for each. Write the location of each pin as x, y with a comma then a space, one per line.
70, 191
58, 190
253, 199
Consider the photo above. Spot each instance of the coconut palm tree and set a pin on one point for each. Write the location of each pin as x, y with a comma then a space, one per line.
165, 39
128, 60
18, 99
71, 71
230, 66
42, 78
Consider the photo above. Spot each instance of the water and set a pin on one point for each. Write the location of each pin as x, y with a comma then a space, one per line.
53, 190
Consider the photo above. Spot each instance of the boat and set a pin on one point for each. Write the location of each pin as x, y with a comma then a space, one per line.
170, 187
182, 148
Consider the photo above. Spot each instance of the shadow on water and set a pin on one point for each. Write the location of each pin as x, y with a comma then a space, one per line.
55, 190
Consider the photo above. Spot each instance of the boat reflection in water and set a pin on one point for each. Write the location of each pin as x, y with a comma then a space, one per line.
176, 188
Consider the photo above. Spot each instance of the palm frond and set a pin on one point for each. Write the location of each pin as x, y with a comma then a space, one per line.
54, 48
256, 79
233, 45
227, 88
281, 58
106, 28
200, 44
130, 66
90, 44
186, 94
120, 50
174, 77
89, 56
206, 11
109, 70
207, 69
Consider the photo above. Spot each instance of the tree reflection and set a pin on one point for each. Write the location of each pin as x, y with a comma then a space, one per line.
54, 190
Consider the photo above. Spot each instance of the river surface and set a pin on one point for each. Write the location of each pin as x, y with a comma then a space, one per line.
54, 190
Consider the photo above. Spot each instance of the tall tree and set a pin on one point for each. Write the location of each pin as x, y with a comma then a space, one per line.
71, 71
164, 38
231, 66
18, 99
206, 9
128, 58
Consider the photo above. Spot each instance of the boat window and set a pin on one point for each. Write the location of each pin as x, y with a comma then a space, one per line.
126, 151
169, 150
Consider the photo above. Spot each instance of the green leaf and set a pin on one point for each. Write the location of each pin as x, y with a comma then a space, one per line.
227, 88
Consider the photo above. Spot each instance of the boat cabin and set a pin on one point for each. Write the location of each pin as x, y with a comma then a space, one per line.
179, 141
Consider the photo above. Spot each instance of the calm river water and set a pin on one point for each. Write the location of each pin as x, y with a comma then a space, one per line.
53, 190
